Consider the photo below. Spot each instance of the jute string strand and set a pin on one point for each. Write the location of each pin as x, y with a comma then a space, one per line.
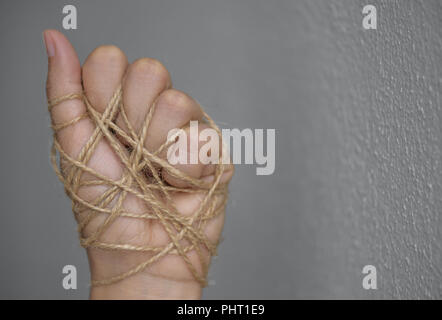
185, 233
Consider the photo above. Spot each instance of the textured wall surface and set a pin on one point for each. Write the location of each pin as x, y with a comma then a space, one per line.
374, 148
358, 118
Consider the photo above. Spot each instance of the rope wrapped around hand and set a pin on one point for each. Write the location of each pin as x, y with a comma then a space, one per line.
185, 233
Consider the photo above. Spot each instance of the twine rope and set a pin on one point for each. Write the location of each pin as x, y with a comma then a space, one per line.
142, 177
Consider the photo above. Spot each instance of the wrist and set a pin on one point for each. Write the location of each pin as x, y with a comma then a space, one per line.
146, 287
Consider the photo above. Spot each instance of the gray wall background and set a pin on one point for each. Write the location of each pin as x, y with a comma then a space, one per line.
358, 116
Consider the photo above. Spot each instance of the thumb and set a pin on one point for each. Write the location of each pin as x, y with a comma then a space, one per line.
69, 119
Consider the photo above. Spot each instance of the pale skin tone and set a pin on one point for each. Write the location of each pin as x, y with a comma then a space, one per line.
145, 82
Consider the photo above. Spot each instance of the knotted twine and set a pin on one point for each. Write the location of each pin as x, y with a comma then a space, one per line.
150, 188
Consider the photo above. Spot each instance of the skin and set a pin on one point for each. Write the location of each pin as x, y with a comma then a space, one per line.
145, 82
